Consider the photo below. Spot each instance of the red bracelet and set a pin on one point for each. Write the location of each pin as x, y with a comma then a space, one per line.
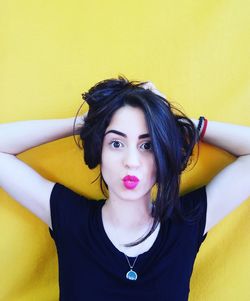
203, 129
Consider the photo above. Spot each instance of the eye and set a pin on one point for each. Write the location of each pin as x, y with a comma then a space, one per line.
147, 146
115, 143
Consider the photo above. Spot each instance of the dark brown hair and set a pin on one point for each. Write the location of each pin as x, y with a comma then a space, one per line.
173, 137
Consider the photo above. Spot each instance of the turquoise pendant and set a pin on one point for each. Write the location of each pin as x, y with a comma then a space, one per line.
131, 275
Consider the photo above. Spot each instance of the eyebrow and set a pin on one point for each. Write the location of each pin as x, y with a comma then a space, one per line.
125, 136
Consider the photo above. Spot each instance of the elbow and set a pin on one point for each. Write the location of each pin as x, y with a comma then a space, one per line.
245, 159
8, 153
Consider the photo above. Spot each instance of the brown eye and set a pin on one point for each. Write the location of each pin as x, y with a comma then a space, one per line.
115, 144
147, 146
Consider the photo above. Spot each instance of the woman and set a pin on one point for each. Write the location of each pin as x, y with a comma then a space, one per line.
128, 245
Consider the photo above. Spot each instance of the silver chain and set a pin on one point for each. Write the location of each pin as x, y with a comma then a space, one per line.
131, 267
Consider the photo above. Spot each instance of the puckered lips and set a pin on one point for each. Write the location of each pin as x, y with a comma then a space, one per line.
130, 182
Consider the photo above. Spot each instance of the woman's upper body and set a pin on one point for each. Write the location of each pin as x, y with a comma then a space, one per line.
92, 267
125, 151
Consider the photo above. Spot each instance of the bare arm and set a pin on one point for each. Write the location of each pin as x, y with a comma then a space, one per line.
18, 179
16, 137
231, 186
231, 137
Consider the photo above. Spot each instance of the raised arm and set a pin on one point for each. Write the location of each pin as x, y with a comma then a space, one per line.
17, 137
18, 179
231, 186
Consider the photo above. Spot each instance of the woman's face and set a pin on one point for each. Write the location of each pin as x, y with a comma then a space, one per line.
127, 152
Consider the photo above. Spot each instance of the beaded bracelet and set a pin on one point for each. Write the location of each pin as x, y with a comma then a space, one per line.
201, 120
202, 126
203, 129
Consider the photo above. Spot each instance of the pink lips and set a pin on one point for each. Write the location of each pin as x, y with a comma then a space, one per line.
130, 182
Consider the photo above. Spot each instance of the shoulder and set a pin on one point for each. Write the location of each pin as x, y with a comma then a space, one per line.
194, 197
192, 205
69, 208
193, 214
63, 193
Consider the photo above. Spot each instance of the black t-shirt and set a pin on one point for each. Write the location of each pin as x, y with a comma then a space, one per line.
92, 268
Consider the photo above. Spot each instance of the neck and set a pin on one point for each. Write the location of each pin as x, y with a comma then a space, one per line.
128, 214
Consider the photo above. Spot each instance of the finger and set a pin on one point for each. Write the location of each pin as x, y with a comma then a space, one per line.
149, 85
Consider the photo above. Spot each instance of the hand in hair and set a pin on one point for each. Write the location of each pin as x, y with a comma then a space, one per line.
150, 86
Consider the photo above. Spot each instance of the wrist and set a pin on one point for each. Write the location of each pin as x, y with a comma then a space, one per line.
201, 127
77, 123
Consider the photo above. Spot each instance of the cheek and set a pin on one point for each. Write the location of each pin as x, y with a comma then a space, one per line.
105, 173
110, 160
104, 164
108, 167
153, 171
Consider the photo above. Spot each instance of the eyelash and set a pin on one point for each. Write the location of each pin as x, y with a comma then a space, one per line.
142, 144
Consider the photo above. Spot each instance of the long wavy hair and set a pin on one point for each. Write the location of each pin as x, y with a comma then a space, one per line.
173, 137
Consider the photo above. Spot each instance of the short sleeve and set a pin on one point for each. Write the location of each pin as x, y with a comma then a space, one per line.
195, 206
66, 206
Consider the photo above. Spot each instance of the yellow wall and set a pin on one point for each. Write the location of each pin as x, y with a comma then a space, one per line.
196, 52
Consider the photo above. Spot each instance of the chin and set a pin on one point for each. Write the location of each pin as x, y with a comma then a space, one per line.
131, 195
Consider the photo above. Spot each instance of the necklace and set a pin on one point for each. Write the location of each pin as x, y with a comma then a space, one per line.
131, 275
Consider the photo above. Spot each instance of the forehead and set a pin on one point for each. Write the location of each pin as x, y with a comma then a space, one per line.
129, 119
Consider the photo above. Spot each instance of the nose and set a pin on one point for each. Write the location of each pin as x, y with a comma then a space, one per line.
132, 158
